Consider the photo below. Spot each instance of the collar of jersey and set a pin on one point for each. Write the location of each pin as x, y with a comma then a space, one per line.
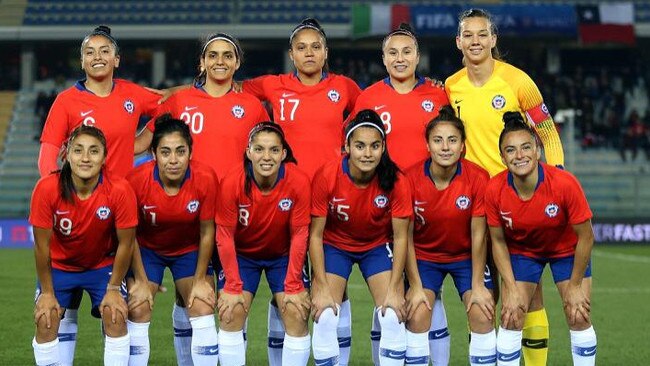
540, 178
420, 80
81, 86
100, 181
156, 175
427, 169
323, 75
200, 87
249, 168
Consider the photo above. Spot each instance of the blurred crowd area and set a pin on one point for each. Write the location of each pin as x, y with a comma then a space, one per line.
606, 92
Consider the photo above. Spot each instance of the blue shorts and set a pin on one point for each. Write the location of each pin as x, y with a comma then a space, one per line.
527, 269
250, 271
68, 285
433, 274
181, 266
371, 262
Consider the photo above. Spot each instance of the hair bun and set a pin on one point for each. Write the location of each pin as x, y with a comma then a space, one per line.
512, 118
405, 27
103, 29
446, 112
311, 22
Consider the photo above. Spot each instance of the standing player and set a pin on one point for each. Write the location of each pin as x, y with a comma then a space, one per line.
538, 215
263, 221
309, 104
112, 105
84, 226
361, 206
215, 114
449, 238
406, 102
176, 200
481, 93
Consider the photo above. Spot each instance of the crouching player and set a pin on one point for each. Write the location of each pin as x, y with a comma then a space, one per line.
262, 225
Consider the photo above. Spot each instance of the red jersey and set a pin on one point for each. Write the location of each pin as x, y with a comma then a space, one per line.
405, 116
219, 126
84, 232
116, 115
541, 226
358, 219
443, 218
263, 221
310, 115
170, 225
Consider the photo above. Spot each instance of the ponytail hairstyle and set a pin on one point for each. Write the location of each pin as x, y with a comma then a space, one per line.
271, 127
480, 13
310, 23
446, 115
404, 29
387, 169
103, 31
239, 53
166, 125
65, 174
514, 121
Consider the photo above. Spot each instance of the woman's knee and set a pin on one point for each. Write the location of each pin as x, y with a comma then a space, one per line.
420, 322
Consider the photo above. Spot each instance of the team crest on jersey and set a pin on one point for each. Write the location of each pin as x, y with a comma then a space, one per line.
285, 204
222, 275
192, 206
427, 105
334, 95
103, 212
381, 201
238, 111
545, 109
552, 210
498, 102
463, 202
129, 106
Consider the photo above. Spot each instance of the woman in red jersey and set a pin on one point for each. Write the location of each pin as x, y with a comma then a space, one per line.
176, 200
361, 207
84, 226
449, 238
112, 105
538, 215
263, 225
215, 114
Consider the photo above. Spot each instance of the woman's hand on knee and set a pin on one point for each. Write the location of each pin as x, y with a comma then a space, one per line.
481, 297
395, 300
139, 293
201, 290
415, 297
227, 303
321, 299
577, 305
513, 309
46, 304
115, 303
300, 301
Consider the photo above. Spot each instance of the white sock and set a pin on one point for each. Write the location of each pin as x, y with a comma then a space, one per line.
324, 340
231, 348
483, 348
46, 353
116, 350
296, 350
583, 346
417, 348
508, 347
344, 333
275, 335
246, 334
392, 346
68, 336
375, 336
182, 336
439, 339
205, 346
139, 349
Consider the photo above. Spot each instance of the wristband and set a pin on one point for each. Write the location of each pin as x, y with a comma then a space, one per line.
110, 287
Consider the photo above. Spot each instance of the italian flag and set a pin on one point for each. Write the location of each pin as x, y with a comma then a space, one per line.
378, 19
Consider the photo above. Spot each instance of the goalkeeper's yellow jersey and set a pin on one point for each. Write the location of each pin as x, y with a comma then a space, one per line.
482, 108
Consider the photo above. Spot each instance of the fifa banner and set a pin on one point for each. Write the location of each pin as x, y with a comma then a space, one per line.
511, 19
19, 234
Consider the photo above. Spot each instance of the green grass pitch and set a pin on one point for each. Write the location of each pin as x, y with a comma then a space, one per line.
620, 313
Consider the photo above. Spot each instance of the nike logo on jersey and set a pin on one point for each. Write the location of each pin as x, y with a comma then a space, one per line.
187, 109
287, 95
420, 202
62, 212
146, 207
505, 213
84, 114
244, 206
457, 101
378, 107
335, 199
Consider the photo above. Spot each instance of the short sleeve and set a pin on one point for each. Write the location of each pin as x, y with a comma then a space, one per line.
255, 87
320, 193
577, 207
211, 187
401, 199
227, 210
40, 212
301, 214
478, 190
491, 204
124, 202
353, 93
